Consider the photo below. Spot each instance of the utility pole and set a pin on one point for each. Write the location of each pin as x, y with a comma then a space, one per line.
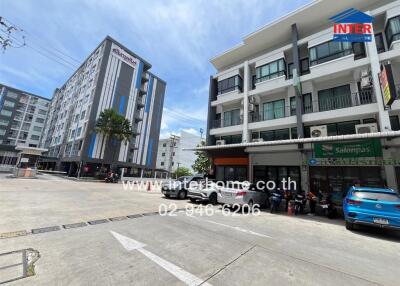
173, 140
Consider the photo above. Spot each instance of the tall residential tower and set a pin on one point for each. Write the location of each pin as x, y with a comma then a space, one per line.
112, 77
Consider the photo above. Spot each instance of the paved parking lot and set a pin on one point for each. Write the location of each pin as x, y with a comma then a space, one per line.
182, 250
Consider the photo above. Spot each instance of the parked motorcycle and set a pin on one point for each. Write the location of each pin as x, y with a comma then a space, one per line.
328, 208
112, 178
299, 203
276, 199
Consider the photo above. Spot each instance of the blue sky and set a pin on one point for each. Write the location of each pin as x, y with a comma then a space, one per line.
177, 37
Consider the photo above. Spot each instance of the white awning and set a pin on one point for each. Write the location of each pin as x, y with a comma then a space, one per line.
387, 134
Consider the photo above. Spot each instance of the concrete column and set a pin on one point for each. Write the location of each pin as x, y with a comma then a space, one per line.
250, 168
297, 83
390, 171
246, 80
304, 173
383, 115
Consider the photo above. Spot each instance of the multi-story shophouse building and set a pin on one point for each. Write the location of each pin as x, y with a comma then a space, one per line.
290, 102
112, 77
22, 119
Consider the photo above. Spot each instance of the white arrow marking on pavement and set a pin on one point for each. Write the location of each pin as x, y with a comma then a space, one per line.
234, 227
186, 277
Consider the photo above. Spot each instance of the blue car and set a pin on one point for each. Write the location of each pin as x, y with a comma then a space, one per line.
372, 206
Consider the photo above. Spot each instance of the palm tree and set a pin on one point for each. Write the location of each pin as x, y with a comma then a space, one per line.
114, 126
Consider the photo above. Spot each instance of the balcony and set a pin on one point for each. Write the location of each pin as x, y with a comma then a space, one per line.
218, 123
276, 113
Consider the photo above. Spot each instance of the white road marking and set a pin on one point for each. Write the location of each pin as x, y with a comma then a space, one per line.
184, 276
233, 227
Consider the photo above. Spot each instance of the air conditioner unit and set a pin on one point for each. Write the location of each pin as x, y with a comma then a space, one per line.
365, 79
258, 140
220, 142
319, 131
366, 128
251, 107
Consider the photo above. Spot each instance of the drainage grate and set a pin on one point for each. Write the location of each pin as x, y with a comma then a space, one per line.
93, 222
45, 229
74, 225
134, 216
118, 218
150, 214
13, 234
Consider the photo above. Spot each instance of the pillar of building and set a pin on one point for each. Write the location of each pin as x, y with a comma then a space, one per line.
383, 114
246, 81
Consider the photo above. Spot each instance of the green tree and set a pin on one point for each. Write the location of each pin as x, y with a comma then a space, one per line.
202, 164
182, 171
115, 127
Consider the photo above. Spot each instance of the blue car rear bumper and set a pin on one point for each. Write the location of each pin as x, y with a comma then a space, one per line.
367, 218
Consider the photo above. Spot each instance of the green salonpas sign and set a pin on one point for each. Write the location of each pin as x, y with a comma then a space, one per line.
364, 148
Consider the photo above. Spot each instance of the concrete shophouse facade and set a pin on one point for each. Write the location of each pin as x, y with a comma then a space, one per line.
257, 105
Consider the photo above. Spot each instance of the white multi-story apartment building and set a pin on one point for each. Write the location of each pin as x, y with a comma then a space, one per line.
174, 152
112, 77
22, 120
288, 83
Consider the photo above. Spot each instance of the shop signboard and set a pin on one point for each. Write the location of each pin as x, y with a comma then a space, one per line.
388, 87
356, 149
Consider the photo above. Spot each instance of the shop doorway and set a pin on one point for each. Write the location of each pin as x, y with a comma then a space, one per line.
276, 174
337, 180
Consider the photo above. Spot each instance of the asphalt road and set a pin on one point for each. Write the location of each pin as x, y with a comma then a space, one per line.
203, 250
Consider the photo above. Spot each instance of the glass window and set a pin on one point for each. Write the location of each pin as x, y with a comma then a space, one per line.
39, 120
270, 70
380, 45
11, 94
293, 132
334, 98
5, 112
329, 51
394, 122
35, 137
37, 128
307, 103
4, 122
293, 105
305, 66
232, 117
359, 50
8, 103
229, 84
274, 109
272, 135
392, 30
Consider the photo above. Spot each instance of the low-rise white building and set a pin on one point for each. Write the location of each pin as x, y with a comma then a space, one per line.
172, 152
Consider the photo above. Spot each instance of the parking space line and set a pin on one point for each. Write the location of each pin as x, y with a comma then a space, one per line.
184, 276
233, 227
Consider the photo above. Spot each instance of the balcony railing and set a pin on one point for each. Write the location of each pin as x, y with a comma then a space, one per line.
343, 101
275, 113
218, 123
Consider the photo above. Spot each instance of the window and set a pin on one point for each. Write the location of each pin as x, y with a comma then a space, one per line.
293, 132
329, 51
307, 103
78, 133
35, 137
37, 128
2, 131
162, 163
392, 30
8, 103
83, 114
274, 109
164, 144
11, 94
172, 163
39, 120
270, 70
173, 153
42, 112
232, 139
293, 105
359, 51
5, 112
4, 122
380, 45
229, 84
72, 133
304, 67
232, 117
163, 154
394, 122
334, 98
272, 135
